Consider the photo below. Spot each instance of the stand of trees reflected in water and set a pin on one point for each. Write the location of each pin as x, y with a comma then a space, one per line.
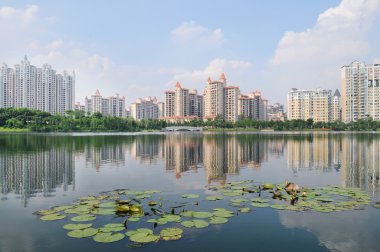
35, 163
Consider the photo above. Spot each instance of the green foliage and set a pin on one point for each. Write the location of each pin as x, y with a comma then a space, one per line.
34, 120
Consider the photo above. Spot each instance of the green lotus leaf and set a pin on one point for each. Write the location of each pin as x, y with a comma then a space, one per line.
171, 232
190, 196
200, 223
123, 208
231, 194
170, 218
214, 198
131, 232
88, 198
215, 220
245, 210
62, 208
188, 224
52, 217
107, 204
151, 191
268, 186
152, 203
82, 233
108, 237
256, 204
84, 217
239, 200
135, 208
224, 214
77, 211
142, 196
260, 200
187, 214
47, 212
112, 227
202, 214
103, 211
143, 237
324, 199
279, 207
72, 226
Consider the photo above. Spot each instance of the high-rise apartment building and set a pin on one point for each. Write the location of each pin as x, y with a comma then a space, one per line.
147, 108
231, 95
214, 97
360, 91
26, 86
310, 104
111, 106
252, 106
336, 105
182, 104
276, 112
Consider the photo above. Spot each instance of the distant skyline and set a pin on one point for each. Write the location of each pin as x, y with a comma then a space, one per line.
142, 48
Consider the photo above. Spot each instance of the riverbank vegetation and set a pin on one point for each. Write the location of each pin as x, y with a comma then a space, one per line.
22, 119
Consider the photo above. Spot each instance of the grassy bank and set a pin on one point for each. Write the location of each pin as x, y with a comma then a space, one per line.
11, 130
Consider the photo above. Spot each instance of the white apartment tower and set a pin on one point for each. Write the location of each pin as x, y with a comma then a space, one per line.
147, 108
214, 97
111, 106
27, 86
336, 107
360, 91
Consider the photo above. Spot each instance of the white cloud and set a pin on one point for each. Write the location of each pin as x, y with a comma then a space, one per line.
312, 58
190, 32
235, 69
23, 15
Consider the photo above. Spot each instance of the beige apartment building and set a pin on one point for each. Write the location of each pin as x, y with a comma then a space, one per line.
313, 104
214, 97
360, 91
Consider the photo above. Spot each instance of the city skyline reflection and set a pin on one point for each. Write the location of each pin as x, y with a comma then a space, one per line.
40, 164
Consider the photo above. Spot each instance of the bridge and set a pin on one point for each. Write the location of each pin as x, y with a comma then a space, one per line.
183, 128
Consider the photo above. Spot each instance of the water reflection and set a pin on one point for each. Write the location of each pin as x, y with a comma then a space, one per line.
31, 164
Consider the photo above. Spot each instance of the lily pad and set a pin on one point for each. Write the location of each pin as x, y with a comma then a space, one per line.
188, 224
214, 198
256, 204
107, 204
84, 217
108, 237
112, 227
133, 218
72, 226
200, 223
142, 237
245, 210
190, 196
52, 217
224, 214
202, 214
215, 220
260, 200
171, 233
82, 233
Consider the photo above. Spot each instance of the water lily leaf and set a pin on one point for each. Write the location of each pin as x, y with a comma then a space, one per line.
324, 199
279, 207
170, 218
214, 198
123, 208
143, 237
260, 200
142, 196
82, 233
188, 224
108, 237
112, 227
151, 191
167, 232
231, 194
103, 211
190, 196
47, 212
77, 210
135, 208
152, 203
72, 226
268, 186
241, 200
52, 217
62, 208
376, 205
200, 223
107, 204
224, 214
256, 204
202, 214
215, 220
187, 213
88, 198
245, 210
84, 217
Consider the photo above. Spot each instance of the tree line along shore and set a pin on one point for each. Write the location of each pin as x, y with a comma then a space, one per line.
24, 120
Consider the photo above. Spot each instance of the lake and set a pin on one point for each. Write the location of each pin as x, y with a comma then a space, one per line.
39, 171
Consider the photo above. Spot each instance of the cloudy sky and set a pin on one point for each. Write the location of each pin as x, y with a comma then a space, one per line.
141, 48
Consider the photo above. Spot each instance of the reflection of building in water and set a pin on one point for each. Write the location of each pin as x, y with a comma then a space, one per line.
30, 173
183, 152
361, 161
97, 156
318, 152
148, 149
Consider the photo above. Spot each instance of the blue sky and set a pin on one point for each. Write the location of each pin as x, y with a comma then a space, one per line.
141, 48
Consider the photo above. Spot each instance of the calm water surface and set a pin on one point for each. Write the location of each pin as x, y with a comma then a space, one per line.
38, 171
